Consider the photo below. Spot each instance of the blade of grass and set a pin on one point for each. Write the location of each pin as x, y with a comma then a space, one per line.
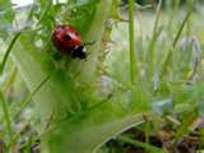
191, 6
25, 103
156, 23
30, 14
17, 136
133, 67
11, 79
151, 58
136, 143
184, 129
181, 28
5, 109
44, 13
174, 43
8, 51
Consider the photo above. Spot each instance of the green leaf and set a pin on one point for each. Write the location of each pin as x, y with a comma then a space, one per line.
6, 17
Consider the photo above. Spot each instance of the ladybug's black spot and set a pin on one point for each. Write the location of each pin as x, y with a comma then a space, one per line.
79, 53
67, 37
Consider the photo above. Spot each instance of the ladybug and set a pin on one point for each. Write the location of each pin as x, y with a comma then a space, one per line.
69, 42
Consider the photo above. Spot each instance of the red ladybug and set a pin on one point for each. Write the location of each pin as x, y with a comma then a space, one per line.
69, 42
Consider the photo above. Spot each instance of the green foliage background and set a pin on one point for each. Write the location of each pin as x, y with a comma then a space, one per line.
78, 105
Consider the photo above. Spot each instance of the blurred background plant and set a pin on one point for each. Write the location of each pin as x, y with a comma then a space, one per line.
139, 90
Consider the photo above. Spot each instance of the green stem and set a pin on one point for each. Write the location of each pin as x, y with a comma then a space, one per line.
11, 79
132, 41
5, 109
8, 52
191, 6
137, 143
44, 13
181, 28
25, 103
152, 58
175, 41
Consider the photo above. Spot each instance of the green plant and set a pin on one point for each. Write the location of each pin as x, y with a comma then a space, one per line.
80, 103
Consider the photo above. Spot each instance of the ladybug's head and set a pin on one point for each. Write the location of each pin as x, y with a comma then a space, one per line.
79, 52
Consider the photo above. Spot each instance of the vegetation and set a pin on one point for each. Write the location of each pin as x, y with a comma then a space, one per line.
140, 88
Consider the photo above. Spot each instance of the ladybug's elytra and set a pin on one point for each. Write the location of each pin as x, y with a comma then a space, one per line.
69, 42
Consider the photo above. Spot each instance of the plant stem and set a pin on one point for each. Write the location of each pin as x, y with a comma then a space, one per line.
133, 69
25, 103
181, 28
137, 143
152, 58
191, 6
45, 12
11, 79
2, 66
169, 55
6, 114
